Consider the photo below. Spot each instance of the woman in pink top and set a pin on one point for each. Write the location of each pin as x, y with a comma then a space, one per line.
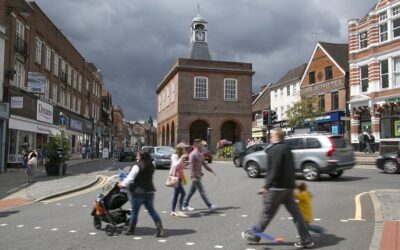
177, 168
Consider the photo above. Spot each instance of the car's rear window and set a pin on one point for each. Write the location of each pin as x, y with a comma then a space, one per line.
339, 142
165, 150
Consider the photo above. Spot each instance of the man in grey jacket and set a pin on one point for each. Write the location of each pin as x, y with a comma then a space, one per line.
280, 182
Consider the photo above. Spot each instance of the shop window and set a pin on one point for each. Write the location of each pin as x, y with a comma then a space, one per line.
363, 40
396, 72
311, 77
383, 32
321, 103
328, 73
384, 74
334, 100
396, 28
364, 78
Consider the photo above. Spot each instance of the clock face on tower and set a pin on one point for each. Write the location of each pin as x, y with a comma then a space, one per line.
200, 36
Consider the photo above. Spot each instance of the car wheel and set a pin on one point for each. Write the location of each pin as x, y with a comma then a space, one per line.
310, 171
390, 167
236, 161
253, 170
336, 174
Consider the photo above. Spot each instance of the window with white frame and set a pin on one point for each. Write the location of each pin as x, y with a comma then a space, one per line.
384, 74
396, 28
87, 85
46, 90
55, 64
73, 103
383, 32
62, 66
364, 78
168, 97
78, 106
38, 50
294, 89
19, 78
20, 30
48, 58
276, 93
75, 79
172, 91
288, 90
69, 75
363, 39
68, 100
230, 89
201, 87
79, 83
94, 88
396, 72
396, 11
382, 16
62, 97
55, 93
159, 103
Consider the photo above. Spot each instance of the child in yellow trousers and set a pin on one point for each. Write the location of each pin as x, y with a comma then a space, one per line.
304, 199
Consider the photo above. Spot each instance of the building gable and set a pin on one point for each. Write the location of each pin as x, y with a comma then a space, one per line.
381, 4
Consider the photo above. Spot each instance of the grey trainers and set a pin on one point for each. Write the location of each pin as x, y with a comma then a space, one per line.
303, 244
250, 237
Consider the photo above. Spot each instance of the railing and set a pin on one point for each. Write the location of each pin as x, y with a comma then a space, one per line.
21, 46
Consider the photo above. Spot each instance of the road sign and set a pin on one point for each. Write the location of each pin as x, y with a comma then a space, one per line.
62, 122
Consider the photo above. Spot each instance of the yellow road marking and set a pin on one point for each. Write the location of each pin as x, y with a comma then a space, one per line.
358, 210
101, 183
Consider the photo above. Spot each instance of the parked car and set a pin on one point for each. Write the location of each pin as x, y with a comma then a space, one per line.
313, 154
388, 162
238, 156
161, 155
127, 153
206, 153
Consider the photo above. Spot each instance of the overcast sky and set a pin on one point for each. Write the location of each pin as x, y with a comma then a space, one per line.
135, 42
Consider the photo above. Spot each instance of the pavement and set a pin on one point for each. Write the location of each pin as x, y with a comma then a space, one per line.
15, 191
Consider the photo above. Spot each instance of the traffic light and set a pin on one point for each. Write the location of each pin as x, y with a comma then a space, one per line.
265, 114
273, 118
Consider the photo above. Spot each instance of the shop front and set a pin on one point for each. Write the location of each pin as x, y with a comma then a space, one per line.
329, 122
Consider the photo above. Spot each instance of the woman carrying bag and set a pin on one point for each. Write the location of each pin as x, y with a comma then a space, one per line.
31, 165
177, 170
141, 187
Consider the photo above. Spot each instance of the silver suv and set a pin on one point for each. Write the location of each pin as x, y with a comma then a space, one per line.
313, 155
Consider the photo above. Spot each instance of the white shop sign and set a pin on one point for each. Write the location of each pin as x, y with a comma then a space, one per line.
32, 127
17, 102
44, 112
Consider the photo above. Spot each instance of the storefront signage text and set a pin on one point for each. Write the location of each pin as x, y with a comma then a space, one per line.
394, 99
75, 124
17, 102
44, 112
323, 87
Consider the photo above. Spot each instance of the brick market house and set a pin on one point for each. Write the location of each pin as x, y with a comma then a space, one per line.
374, 57
204, 98
326, 77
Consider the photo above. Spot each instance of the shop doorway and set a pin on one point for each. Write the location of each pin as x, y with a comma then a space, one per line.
365, 121
198, 130
230, 132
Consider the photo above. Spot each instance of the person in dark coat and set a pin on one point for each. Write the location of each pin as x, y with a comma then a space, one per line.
278, 189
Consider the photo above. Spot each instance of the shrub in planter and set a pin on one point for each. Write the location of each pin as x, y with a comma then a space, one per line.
53, 159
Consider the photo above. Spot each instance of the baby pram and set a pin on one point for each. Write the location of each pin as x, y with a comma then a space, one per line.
108, 207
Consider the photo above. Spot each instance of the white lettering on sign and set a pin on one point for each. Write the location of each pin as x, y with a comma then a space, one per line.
44, 112
322, 87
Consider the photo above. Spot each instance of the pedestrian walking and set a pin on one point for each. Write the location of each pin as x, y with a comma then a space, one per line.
177, 170
304, 201
361, 143
31, 165
141, 189
367, 141
279, 187
196, 162
372, 141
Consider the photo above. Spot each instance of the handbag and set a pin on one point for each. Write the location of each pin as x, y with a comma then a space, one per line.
172, 181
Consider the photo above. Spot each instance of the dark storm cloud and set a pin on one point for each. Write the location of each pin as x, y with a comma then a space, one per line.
135, 43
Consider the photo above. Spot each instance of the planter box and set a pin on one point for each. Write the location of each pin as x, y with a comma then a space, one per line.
53, 169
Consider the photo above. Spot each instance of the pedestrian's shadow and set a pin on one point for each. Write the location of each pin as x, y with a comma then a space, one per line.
143, 231
218, 211
7, 213
322, 240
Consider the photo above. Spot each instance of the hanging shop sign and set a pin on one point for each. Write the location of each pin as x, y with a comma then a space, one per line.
44, 112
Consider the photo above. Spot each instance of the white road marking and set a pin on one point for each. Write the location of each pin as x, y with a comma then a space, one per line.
137, 238
290, 218
84, 205
20, 226
218, 246
283, 218
162, 241
72, 231
344, 220
244, 215
223, 215
145, 210
3, 225
71, 205
92, 233
54, 229
317, 219
58, 204
250, 249
189, 243
37, 227
164, 212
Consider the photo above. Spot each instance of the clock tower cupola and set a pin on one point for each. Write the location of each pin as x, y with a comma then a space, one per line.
198, 39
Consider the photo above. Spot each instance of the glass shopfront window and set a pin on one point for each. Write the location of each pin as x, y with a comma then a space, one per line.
390, 122
365, 121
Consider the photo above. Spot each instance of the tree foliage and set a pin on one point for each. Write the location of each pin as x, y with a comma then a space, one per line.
305, 108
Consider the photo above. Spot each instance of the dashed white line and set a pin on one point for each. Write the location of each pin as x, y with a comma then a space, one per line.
162, 241
189, 243
3, 225
37, 228
218, 246
54, 229
250, 249
71, 205
164, 212
137, 238
344, 220
58, 204
290, 218
72, 231
84, 205
20, 226
317, 219
244, 215
283, 218
92, 233
223, 215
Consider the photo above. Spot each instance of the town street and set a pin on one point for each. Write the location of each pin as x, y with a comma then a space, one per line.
67, 224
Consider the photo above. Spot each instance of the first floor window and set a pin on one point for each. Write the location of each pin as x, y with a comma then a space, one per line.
55, 93
19, 78
334, 100
363, 40
396, 28
383, 32
38, 50
396, 72
230, 89
364, 78
201, 87
78, 106
384, 74
321, 102
46, 90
